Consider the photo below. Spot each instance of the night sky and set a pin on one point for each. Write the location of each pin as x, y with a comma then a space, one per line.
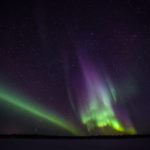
55, 54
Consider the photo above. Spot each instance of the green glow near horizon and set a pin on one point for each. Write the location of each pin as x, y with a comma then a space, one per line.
101, 117
29, 107
94, 116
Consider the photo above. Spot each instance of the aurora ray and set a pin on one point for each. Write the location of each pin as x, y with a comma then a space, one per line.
30, 107
96, 103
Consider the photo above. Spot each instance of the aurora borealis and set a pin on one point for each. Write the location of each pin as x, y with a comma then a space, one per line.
96, 106
99, 97
74, 68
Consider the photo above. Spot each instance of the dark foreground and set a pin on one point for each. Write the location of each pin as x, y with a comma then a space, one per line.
25, 142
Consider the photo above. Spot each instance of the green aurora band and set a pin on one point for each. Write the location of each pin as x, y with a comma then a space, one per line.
30, 107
